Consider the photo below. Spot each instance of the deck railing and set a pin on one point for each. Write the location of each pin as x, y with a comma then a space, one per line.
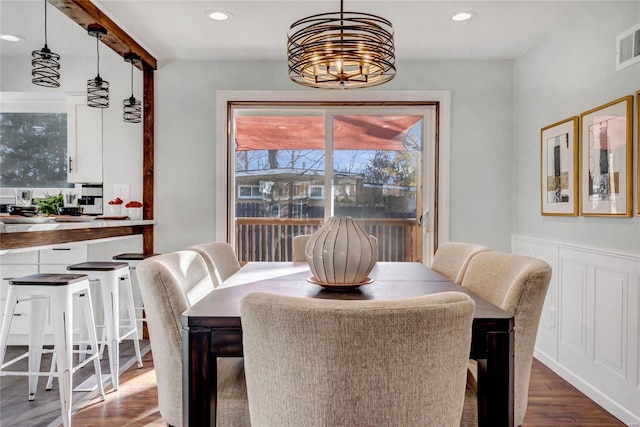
270, 239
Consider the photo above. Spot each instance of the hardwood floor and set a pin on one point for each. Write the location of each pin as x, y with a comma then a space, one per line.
552, 402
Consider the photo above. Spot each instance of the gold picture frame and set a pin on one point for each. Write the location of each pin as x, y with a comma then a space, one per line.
638, 150
559, 168
606, 159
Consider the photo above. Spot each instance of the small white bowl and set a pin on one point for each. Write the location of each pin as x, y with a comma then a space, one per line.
114, 210
134, 213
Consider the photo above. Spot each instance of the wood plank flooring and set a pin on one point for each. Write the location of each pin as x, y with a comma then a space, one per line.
17, 410
555, 402
552, 402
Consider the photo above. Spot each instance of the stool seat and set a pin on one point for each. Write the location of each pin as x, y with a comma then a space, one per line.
48, 279
98, 266
133, 256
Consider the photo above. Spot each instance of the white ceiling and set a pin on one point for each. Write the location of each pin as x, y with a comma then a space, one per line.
179, 29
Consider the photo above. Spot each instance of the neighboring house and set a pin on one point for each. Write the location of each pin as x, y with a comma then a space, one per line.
300, 193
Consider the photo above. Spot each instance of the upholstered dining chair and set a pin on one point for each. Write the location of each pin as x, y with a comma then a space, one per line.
324, 362
170, 284
452, 258
221, 259
517, 284
298, 247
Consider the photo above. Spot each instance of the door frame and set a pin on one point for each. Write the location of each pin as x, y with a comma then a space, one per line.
438, 210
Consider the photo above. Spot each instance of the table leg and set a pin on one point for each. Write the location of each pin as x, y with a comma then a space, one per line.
496, 383
199, 378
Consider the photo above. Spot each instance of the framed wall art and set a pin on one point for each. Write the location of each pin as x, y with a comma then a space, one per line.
606, 159
559, 168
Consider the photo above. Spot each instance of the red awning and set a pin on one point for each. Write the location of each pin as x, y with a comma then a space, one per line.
307, 132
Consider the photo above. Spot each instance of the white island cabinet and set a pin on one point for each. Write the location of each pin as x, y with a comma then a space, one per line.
84, 141
27, 249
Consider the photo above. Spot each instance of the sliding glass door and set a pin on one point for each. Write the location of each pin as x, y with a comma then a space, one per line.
296, 167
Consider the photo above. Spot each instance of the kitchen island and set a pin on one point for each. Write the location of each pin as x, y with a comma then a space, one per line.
27, 237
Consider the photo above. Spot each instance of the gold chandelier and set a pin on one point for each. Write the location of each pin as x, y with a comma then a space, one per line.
341, 50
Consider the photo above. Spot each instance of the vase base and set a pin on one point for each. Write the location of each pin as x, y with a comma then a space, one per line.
339, 286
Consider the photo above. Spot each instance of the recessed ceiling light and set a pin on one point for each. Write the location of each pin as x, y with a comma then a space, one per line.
464, 16
218, 15
11, 37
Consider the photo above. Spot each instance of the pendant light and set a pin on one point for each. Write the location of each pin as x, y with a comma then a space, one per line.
132, 107
45, 63
341, 50
97, 88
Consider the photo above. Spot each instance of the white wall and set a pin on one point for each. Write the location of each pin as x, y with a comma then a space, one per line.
570, 72
185, 156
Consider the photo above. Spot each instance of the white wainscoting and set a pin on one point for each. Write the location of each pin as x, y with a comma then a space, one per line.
589, 332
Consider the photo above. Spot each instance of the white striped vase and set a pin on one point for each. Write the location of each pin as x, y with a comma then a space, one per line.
341, 252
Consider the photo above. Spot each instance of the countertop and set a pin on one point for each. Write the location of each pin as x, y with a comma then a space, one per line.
53, 226
25, 237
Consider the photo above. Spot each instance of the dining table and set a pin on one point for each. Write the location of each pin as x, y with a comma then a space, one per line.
212, 328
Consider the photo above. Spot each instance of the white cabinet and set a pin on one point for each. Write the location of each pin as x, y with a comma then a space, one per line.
84, 141
17, 265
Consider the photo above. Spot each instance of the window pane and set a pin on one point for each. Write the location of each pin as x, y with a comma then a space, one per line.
376, 165
33, 150
276, 156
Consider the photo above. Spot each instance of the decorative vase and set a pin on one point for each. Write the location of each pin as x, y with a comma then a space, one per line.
341, 253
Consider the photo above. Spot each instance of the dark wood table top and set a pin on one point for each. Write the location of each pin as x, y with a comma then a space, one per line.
221, 308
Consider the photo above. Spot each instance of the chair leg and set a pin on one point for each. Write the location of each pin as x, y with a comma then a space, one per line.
83, 337
90, 327
111, 308
128, 295
63, 331
52, 371
9, 308
39, 311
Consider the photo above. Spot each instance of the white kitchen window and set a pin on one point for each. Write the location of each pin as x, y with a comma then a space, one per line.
33, 147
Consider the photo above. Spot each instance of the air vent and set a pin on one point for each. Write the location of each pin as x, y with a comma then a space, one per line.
628, 48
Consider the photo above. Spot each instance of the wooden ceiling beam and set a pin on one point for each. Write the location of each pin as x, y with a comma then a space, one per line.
83, 12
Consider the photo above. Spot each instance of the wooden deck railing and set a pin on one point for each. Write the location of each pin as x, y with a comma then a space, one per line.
270, 239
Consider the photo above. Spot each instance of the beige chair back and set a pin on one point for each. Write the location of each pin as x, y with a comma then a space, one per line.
298, 247
452, 258
517, 284
221, 259
323, 362
169, 285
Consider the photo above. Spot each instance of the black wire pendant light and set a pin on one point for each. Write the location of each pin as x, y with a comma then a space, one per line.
132, 107
97, 88
45, 63
341, 50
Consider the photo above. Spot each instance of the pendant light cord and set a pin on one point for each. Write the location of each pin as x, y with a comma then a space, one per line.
98, 53
132, 79
45, 23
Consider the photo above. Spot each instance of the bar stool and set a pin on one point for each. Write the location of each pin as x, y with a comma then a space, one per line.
133, 259
51, 293
109, 274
